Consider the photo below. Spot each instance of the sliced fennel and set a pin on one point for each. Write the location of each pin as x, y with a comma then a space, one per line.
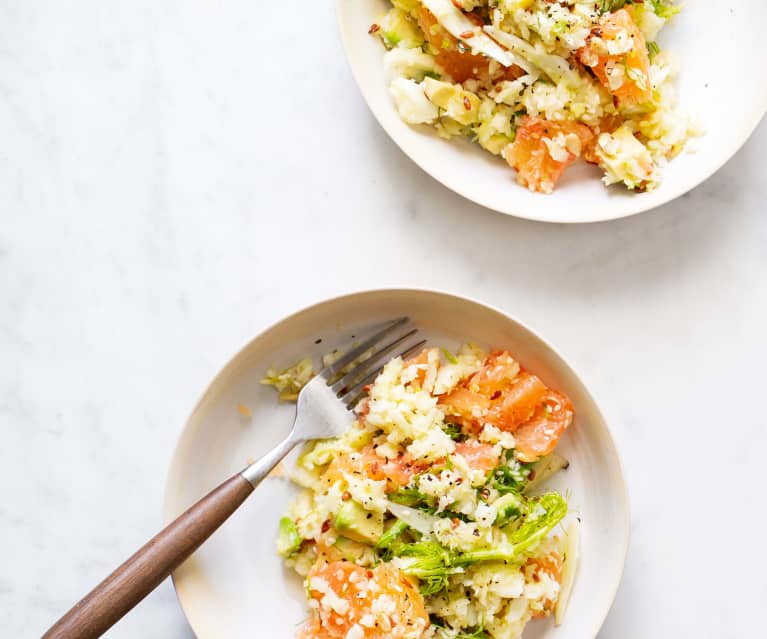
554, 66
417, 520
433, 563
569, 565
391, 535
457, 24
544, 469
545, 513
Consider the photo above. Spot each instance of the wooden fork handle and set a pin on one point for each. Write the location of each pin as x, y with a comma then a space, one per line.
157, 559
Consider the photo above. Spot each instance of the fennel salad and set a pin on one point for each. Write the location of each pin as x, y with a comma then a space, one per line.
430, 517
541, 83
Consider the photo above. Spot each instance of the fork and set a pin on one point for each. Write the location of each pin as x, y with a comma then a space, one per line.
324, 410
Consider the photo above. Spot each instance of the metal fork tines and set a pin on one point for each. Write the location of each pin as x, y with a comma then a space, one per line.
349, 375
324, 407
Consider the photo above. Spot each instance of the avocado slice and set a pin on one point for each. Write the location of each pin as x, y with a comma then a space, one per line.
358, 524
354, 550
288, 539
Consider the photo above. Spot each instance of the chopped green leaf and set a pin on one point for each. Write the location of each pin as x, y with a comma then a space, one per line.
449, 356
430, 562
391, 38
391, 535
664, 9
446, 632
653, 49
546, 512
606, 6
411, 497
510, 477
290, 381
453, 431
433, 564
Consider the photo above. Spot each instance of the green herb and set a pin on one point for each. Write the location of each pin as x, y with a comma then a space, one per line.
477, 633
451, 514
389, 538
411, 497
509, 508
606, 6
664, 9
546, 512
433, 564
446, 632
433, 75
449, 356
453, 431
391, 38
510, 477
653, 49
448, 465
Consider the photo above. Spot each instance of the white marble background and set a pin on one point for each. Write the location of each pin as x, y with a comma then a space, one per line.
175, 175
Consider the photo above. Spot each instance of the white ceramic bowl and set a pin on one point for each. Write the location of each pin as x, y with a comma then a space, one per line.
719, 46
235, 586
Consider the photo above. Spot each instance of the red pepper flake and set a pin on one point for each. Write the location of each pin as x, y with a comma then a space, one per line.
466, 104
346, 496
326, 525
373, 28
457, 5
467, 34
370, 574
456, 521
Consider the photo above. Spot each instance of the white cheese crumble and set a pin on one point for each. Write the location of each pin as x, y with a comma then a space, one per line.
411, 102
330, 600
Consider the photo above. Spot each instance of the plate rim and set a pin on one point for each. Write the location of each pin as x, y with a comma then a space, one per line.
747, 128
170, 511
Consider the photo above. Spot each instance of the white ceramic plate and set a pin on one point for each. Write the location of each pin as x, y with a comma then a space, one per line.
719, 45
235, 586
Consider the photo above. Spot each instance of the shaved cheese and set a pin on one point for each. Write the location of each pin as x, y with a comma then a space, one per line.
572, 537
456, 23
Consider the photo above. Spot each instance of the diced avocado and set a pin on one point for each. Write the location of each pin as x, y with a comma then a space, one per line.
288, 539
461, 105
545, 468
356, 523
353, 550
398, 27
507, 508
318, 454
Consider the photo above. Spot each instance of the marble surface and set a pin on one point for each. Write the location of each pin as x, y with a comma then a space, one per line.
177, 175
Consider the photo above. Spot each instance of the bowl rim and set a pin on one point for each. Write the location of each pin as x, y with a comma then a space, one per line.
170, 511
747, 127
